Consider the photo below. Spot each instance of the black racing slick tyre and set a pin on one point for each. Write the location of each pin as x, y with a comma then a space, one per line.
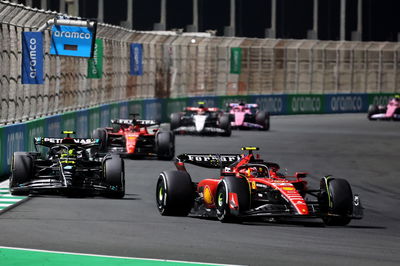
174, 193
225, 124
21, 172
114, 173
372, 110
175, 121
262, 118
233, 198
165, 145
336, 201
101, 134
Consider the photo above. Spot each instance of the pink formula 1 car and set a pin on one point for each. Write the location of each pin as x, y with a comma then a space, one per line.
389, 112
248, 116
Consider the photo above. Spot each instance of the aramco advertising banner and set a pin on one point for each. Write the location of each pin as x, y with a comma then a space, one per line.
32, 58
72, 41
136, 62
95, 64
236, 60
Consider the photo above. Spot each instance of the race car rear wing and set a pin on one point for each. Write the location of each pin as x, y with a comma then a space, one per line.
216, 161
248, 105
140, 122
83, 142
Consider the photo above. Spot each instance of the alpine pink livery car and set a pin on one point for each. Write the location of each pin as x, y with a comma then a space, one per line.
250, 187
248, 116
389, 112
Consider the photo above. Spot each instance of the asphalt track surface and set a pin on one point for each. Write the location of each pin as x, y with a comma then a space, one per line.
348, 146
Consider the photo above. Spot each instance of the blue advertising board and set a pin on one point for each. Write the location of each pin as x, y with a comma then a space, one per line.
53, 126
123, 110
274, 104
105, 115
82, 124
136, 60
13, 139
346, 103
152, 109
209, 101
72, 41
32, 58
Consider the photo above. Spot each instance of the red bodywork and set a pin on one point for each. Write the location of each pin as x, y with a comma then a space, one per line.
132, 137
131, 134
291, 187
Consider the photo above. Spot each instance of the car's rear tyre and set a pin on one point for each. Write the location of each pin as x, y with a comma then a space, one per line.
175, 121
227, 188
21, 172
336, 201
263, 119
225, 124
174, 193
165, 145
101, 134
114, 173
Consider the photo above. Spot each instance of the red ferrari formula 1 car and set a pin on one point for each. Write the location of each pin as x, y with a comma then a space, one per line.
250, 187
133, 137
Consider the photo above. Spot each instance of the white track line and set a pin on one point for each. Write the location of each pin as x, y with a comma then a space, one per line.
115, 257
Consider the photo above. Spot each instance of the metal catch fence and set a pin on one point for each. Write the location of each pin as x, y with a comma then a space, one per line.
176, 65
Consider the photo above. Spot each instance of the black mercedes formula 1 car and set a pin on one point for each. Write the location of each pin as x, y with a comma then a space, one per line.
249, 187
70, 166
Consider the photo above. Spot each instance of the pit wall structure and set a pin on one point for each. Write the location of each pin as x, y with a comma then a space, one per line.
19, 136
283, 76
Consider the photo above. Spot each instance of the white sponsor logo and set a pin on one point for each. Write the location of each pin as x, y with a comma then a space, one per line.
271, 104
136, 52
346, 103
206, 158
77, 141
72, 35
32, 58
306, 104
381, 100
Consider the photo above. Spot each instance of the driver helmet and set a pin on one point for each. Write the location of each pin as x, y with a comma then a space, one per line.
248, 172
